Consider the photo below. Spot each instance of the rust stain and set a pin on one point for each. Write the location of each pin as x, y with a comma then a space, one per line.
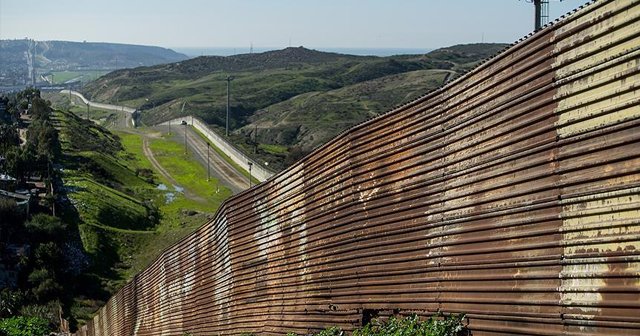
512, 195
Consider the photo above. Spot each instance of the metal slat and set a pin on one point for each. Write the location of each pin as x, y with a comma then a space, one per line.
511, 194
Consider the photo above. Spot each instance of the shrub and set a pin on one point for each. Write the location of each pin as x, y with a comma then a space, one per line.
10, 302
408, 326
45, 228
333, 331
413, 326
44, 285
24, 326
49, 312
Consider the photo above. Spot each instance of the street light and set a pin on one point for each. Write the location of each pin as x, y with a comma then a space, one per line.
226, 132
250, 164
185, 135
181, 114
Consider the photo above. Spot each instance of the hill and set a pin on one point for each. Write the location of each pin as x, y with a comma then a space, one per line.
290, 95
310, 119
17, 56
125, 212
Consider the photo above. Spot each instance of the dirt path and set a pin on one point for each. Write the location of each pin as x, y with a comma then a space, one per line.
149, 154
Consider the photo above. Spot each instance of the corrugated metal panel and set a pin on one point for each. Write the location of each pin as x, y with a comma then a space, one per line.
512, 194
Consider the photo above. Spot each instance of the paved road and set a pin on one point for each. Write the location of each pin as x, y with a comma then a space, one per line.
219, 168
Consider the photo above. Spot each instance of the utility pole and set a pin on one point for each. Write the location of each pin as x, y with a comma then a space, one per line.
250, 164
226, 129
541, 13
185, 136
208, 170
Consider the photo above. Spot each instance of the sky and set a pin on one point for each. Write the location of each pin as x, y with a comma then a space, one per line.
314, 24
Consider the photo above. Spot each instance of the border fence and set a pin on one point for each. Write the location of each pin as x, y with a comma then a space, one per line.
512, 194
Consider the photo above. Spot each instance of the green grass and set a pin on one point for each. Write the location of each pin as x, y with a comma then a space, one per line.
124, 221
274, 149
178, 218
101, 205
188, 172
76, 106
133, 150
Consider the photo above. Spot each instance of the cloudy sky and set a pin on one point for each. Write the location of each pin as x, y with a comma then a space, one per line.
274, 23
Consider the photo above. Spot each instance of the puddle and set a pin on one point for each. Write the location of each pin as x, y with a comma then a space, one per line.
169, 197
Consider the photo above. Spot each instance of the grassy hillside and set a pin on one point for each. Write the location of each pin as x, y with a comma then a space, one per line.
292, 96
310, 119
126, 214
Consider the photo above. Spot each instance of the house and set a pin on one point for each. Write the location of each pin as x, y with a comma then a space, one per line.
7, 182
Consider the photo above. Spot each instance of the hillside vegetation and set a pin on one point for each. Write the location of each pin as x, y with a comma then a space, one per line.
98, 214
124, 218
285, 102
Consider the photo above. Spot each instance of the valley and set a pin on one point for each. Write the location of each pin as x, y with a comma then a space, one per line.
284, 103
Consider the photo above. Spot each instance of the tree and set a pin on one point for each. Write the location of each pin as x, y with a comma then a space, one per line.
8, 137
46, 228
50, 256
45, 287
40, 109
10, 219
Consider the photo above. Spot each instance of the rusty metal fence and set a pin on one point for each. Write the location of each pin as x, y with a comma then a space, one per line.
512, 195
